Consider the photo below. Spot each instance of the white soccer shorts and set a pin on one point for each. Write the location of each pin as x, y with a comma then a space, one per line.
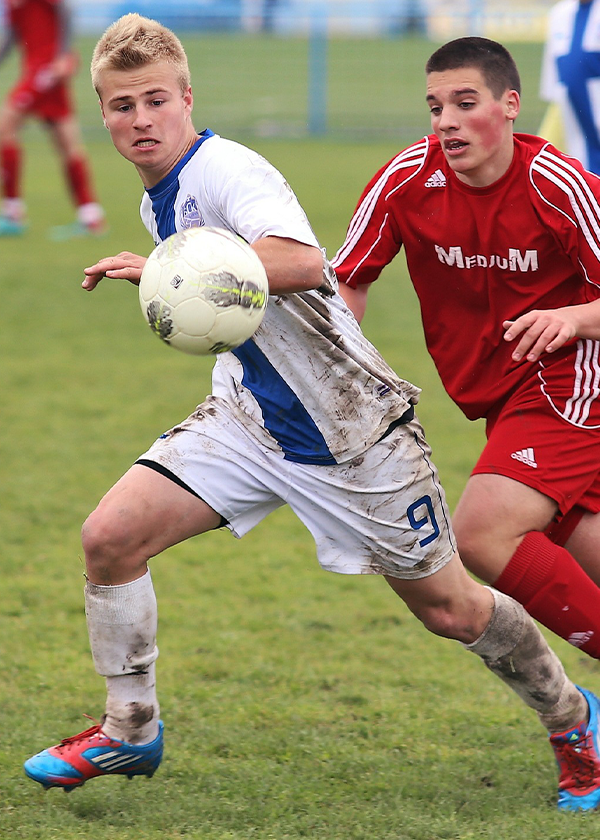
384, 512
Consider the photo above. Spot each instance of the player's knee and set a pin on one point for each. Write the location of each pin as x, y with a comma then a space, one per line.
105, 538
461, 620
440, 620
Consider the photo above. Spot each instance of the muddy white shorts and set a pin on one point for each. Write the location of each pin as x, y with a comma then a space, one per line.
384, 512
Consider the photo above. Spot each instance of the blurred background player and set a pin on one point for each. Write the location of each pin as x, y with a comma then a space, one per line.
42, 29
571, 80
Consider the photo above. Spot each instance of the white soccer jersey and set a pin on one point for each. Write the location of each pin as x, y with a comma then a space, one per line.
571, 76
308, 382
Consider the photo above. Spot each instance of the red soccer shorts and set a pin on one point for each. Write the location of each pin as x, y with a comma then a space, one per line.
547, 434
49, 104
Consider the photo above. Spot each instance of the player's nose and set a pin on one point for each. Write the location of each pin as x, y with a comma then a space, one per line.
142, 118
448, 119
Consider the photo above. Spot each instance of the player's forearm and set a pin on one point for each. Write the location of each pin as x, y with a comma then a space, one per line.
291, 266
356, 299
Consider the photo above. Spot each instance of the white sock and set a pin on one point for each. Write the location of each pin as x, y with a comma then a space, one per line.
513, 648
90, 214
14, 209
122, 623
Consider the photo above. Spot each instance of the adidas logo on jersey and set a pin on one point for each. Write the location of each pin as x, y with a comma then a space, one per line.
438, 179
526, 456
579, 639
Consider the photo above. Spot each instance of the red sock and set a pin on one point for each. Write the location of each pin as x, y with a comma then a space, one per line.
79, 181
10, 169
555, 590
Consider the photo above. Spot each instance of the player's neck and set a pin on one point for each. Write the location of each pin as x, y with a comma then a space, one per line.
489, 172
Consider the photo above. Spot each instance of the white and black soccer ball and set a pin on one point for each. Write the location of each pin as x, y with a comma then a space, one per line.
204, 291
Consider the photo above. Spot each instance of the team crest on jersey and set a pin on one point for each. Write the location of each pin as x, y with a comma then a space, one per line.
190, 215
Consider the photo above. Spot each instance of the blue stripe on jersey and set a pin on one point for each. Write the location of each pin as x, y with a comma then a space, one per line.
574, 70
164, 194
284, 416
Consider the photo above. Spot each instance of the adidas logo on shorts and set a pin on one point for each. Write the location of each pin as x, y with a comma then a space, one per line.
526, 456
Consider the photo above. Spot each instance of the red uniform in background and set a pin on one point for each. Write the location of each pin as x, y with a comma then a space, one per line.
41, 31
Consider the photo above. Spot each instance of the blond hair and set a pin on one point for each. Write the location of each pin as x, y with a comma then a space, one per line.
134, 41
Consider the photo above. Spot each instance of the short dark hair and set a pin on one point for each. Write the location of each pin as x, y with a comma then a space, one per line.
496, 64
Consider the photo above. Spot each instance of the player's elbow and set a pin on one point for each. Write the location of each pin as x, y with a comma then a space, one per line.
310, 268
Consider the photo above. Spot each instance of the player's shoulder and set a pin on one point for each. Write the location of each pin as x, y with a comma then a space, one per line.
403, 169
562, 6
562, 11
559, 180
547, 162
217, 150
565, 7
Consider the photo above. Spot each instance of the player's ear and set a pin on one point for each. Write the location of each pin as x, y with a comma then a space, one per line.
188, 98
102, 112
513, 104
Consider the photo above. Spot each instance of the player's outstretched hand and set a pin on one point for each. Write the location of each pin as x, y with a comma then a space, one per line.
125, 266
541, 331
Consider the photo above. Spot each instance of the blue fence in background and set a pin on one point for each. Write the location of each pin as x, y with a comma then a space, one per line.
359, 17
278, 16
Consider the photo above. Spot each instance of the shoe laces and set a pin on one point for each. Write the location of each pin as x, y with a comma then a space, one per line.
81, 736
578, 761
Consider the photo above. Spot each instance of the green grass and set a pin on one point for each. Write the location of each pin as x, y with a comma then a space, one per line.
297, 704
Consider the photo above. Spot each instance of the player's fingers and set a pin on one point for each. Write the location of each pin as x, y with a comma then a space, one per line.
90, 281
565, 333
131, 273
519, 325
530, 336
535, 343
123, 266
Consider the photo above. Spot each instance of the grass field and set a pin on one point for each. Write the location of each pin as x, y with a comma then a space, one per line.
297, 704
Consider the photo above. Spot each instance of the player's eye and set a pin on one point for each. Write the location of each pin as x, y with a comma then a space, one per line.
435, 110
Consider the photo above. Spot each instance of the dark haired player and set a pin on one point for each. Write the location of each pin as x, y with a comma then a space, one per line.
502, 239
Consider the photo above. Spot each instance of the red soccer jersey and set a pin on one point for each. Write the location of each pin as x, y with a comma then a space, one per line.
480, 256
38, 30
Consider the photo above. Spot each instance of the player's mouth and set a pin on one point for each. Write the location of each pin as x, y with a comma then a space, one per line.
455, 146
145, 144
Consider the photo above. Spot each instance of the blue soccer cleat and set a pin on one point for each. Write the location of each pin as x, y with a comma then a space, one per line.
77, 230
11, 227
577, 752
92, 753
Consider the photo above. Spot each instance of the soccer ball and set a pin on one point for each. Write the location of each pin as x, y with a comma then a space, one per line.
203, 291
